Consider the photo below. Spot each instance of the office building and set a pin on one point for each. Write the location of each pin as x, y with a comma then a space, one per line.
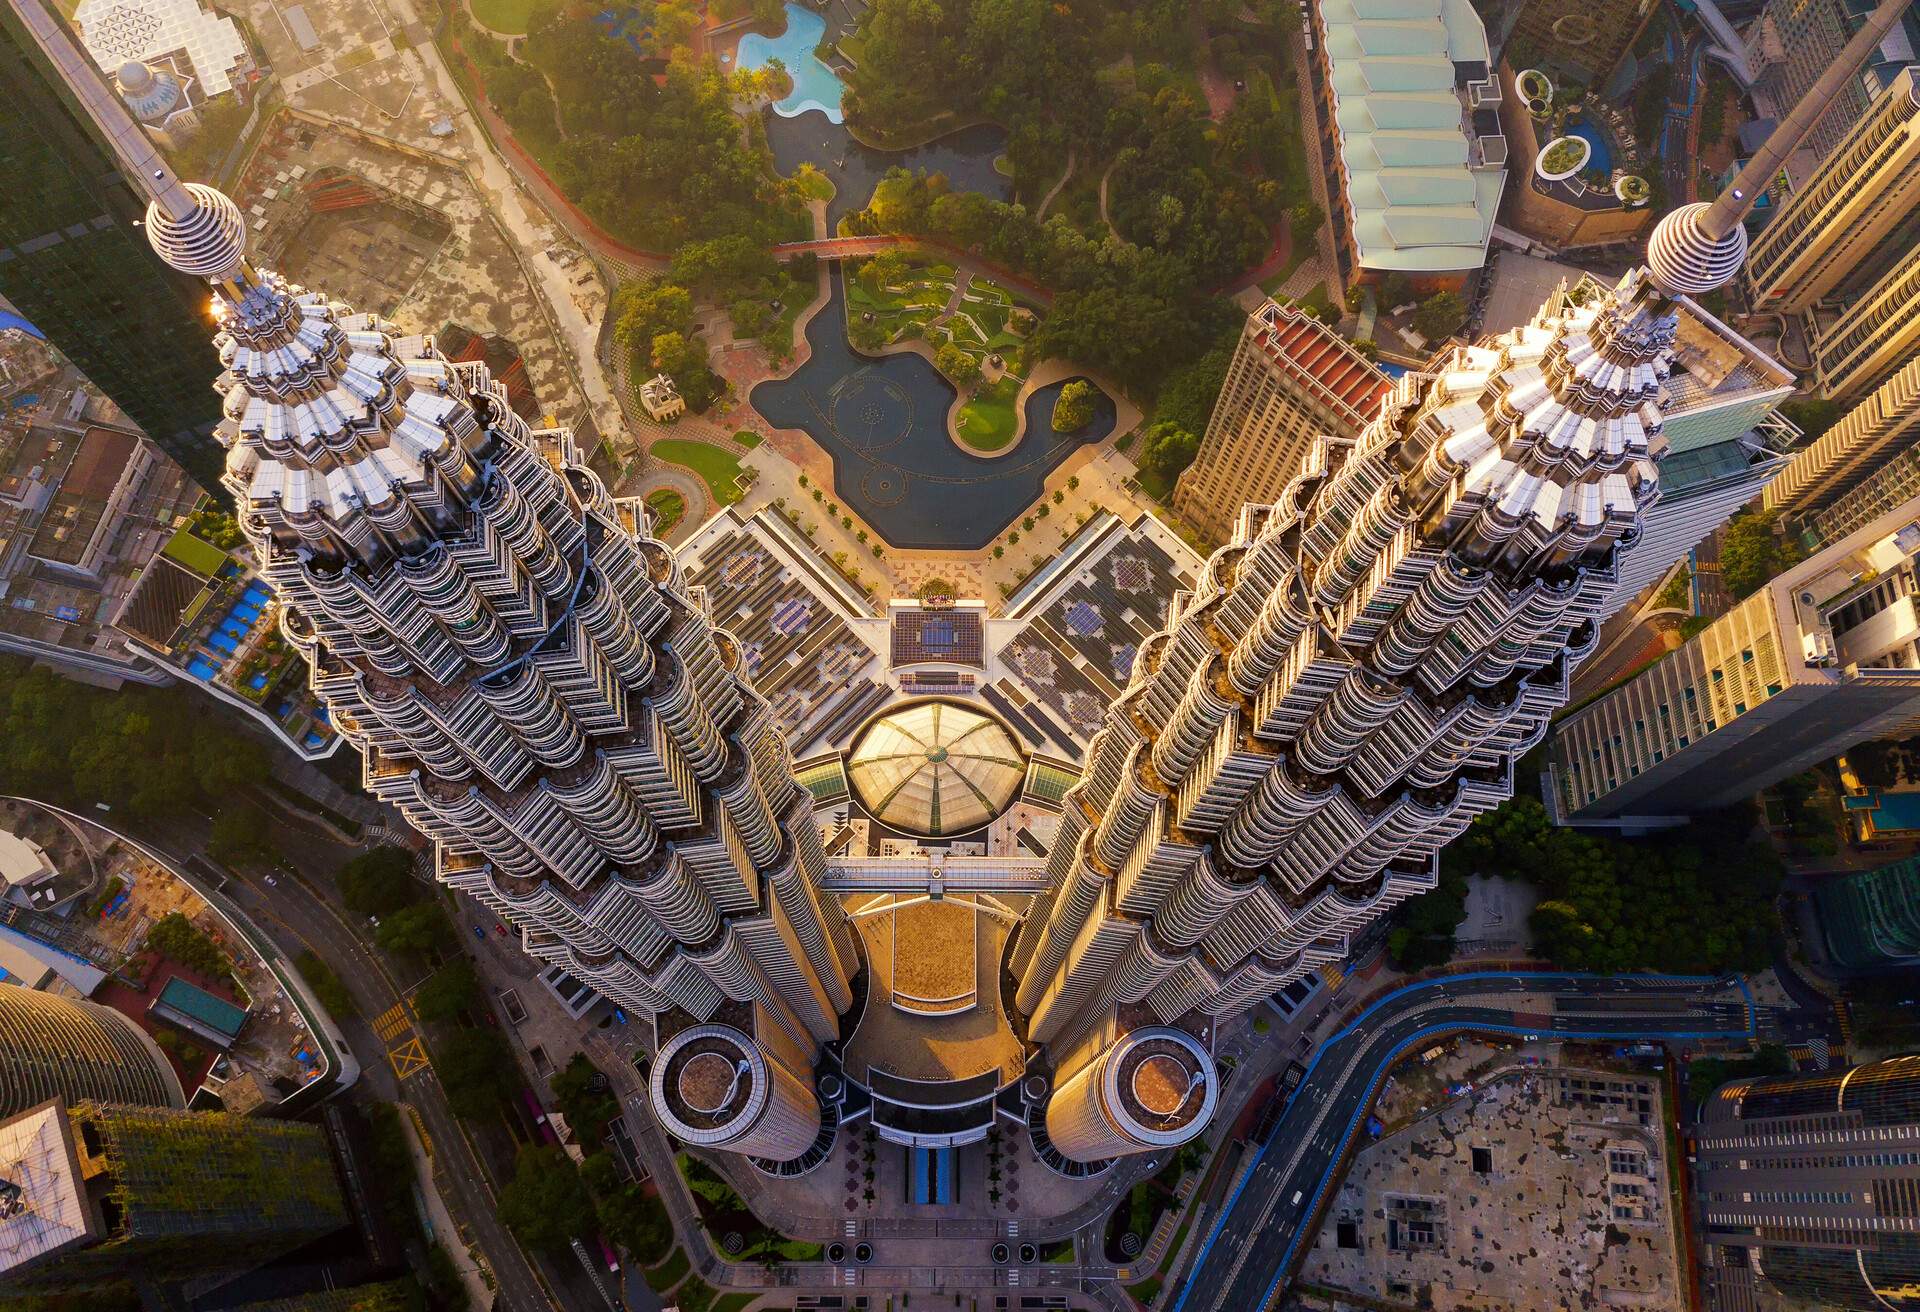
1413, 138
1856, 219
1347, 687
1871, 918
95, 1194
1824, 656
57, 1047
1859, 345
1352, 680
1809, 1186
74, 261
1793, 42
1725, 442
531, 682
1291, 380
1860, 444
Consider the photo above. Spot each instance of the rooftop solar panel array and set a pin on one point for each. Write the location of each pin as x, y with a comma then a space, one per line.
1075, 655
937, 635
797, 649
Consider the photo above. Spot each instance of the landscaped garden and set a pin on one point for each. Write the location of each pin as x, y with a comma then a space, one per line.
668, 508
720, 469
896, 298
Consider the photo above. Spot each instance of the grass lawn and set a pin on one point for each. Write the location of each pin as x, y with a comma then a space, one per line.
508, 16
717, 467
668, 508
986, 422
747, 438
1145, 1292
665, 1276
814, 184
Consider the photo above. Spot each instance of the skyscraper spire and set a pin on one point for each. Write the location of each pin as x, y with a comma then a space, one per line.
1700, 247
1357, 673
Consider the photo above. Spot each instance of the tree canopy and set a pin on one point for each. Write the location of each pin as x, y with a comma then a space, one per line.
1701, 901
1074, 409
380, 882
1751, 552
151, 751
546, 1204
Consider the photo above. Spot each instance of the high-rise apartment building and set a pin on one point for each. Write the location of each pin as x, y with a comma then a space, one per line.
1809, 1186
1871, 918
1792, 43
1860, 344
1857, 217
1824, 656
54, 1047
73, 259
94, 1194
1291, 379
1349, 685
1861, 443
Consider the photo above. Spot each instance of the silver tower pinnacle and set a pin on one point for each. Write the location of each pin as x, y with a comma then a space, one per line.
1700, 247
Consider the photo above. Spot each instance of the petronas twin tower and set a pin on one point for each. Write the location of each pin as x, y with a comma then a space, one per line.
534, 685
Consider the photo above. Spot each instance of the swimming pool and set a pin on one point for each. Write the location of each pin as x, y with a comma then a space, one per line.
815, 86
1601, 159
223, 642
202, 668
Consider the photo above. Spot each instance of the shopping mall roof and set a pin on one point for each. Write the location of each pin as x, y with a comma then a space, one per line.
935, 767
1420, 205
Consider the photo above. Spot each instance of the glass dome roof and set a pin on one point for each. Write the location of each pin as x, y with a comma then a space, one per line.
935, 768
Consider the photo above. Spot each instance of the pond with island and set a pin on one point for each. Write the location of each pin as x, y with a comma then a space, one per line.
883, 419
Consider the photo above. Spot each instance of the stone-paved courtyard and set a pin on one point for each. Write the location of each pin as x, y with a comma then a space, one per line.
1540, 1189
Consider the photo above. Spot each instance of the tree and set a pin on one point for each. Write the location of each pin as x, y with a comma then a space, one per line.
418, 930
240, 834
959, 366
450, 992
582, 1094
1396, 289
632, 1218
1166, 450
476, 1071
883, 271
379, 882
1439, 316
325, 984
1814, 415
643, 311
1752, 552
1073, 410
175, 937
546, 1204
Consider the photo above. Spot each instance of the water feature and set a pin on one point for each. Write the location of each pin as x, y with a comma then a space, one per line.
884, 422
1601, 160
966, 156
815, 86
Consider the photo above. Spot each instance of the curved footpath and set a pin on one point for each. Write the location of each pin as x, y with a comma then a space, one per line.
1257, 1237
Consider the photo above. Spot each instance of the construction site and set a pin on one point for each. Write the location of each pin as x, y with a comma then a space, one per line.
1526, 1186
400, 233
363, 245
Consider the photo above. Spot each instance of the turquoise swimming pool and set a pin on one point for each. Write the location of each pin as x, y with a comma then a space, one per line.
815, 86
